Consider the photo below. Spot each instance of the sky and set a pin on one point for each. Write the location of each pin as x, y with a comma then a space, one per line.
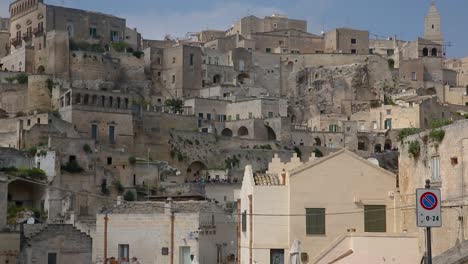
403, 18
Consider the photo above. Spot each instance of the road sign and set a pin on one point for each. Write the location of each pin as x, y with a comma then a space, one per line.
428, 208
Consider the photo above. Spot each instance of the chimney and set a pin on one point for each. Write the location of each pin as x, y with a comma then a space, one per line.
168, 206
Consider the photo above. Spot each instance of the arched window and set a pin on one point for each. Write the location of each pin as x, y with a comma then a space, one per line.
434, 52
425, 52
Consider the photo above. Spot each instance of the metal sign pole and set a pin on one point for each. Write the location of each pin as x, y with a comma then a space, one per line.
428, 235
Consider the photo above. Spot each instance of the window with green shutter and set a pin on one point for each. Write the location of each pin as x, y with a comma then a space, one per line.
375, 218
315, 221
244, 221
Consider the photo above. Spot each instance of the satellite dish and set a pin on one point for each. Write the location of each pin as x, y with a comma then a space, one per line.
30, 221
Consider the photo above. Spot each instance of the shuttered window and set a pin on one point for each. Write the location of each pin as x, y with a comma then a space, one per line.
244, 221
375, 218
315, 221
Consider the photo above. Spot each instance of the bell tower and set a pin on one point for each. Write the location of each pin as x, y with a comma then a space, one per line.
432, 27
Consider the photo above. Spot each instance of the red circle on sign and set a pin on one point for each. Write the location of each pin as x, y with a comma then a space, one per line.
428, 201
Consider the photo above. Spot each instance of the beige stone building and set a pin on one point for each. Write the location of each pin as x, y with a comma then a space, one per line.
143, 230
252, 24
347, 41
441, 160
304, 201
287, 41
4, 37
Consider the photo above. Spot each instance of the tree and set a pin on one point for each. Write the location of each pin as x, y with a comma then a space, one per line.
176, 105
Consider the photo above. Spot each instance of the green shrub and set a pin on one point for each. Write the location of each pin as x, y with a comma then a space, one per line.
129, 196
119, 187
318, 153
407, 132
414, 149
22, 78
437, 135
34, 173
10, 80
138, 54
87, 149
437, 123
119, 46
132, 160
32, 151
72, 167
85, 46
298, 152
176, 105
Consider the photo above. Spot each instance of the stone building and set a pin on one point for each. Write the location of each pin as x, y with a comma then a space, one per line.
54, 243
441, 160
287, 41
252, 24
4, 37
167, 232
279, 207
347, 41
432, 25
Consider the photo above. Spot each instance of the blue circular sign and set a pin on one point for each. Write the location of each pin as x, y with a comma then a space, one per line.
428, 201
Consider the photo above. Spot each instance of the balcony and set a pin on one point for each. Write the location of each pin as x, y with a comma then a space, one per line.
38, 32
16, 42
27, 37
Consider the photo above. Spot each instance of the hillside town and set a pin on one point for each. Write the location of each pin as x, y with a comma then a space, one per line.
259, 142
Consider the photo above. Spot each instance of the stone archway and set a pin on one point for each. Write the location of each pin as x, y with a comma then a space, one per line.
40, 70
242, 131
317, 142
434, 52
195, 168
243, 77
388, 144
378, 148
363, 143
226, 132
425, 52
217, 79
271, 135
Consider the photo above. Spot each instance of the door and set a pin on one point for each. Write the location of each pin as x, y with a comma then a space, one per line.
276, 256
184, 255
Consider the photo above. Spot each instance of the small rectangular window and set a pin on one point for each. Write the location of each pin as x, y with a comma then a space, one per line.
268, 50
315, 221
270, 114
109, 160
237, 117
414, 76
191, 59
94, 131
112, 134
375, 218
244, 221
390, 52
93, 32
200, 115
173, 78
353, 41
250, 115
353, 51
208, 116
124, 251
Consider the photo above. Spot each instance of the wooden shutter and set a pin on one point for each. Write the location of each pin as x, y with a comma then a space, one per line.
315, 221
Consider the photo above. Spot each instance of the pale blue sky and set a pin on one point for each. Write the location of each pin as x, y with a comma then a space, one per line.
404, 18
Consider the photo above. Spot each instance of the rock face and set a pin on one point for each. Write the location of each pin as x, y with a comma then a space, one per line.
327, 88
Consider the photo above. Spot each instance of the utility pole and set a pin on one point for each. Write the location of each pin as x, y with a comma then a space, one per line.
428, 234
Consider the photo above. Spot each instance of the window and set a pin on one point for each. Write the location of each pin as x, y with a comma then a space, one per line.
94, 131
281, 42
208, 116
268, 50
270, 114
124, 251
237, 116
362, 126
109, 160
38, 120
114, 35
173, 59
389, 111
390, 52
51, 258
173, 78
353, 51
435, 166
29, 122
374, 125
70, 29
200, 115
375, 218
371, 51
93, 32
250, 115
388, 123
315, 221
454, 161
275, 25
353, 41
333, 128
112, 134
244, 221
191, 59
414, 76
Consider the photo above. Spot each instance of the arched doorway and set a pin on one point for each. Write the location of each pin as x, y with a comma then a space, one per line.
40, 70
271, 135
243, 77
317, 142
425, 52
226, 132
195, 168
434, 52
242, 131
217, 79
293, 119
388, 144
